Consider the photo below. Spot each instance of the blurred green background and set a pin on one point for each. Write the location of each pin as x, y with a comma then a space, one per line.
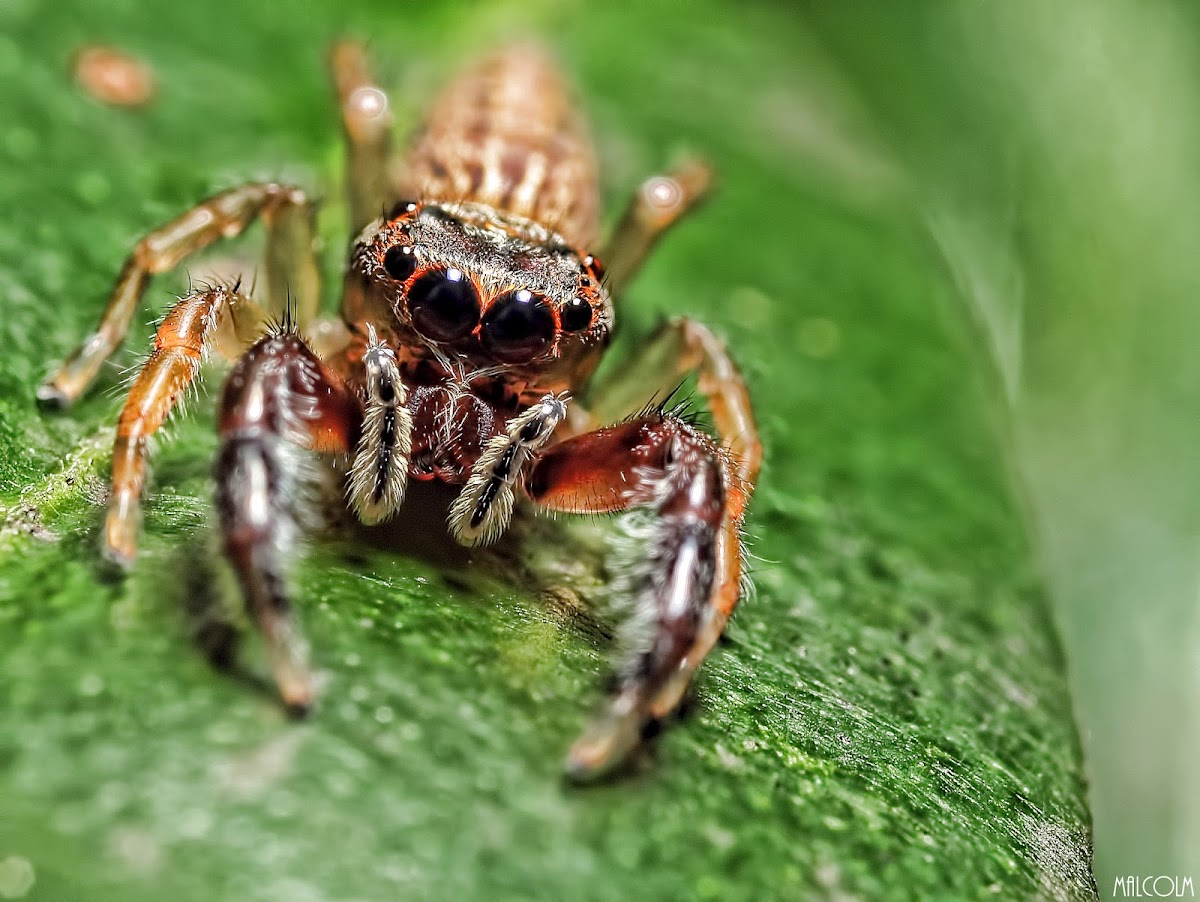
1053, 154
954, 250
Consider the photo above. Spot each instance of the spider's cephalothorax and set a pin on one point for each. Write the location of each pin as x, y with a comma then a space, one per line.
473, 316
489, 312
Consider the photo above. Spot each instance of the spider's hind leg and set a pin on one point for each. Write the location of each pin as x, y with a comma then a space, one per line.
660, 202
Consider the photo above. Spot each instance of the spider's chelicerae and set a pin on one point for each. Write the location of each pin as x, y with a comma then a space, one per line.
473, 316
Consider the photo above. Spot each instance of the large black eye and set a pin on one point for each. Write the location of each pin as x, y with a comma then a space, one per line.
576, 315
518, 327
400, 262
443, 305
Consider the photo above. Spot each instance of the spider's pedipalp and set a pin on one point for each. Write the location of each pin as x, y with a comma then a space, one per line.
379, 473
482, 510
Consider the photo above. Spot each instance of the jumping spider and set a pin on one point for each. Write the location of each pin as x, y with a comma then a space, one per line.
470, 310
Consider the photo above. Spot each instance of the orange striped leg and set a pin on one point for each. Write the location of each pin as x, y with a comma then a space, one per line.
180, 345
279, 395
677, 583
659, 203
222, 216
367, 123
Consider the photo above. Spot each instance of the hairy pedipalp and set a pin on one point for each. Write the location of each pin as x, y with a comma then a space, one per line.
482, 510
379, 473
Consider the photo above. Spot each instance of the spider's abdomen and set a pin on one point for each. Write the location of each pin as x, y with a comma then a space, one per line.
506, 134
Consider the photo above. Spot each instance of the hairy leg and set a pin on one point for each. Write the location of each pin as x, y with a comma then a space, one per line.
367, 123
687, 557
659, 203
222, 216
181, 343
680, 347
278, 397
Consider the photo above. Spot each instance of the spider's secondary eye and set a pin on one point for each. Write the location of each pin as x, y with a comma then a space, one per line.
576, 315
401, 207
443, 305
518, 327
594, 267
400, 262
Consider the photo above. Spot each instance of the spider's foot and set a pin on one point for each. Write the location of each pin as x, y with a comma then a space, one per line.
51, 396
669, 698
121, 529
608, 741
121, 557
295, 689
69, 380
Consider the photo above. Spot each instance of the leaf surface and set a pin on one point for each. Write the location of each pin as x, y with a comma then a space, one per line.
889, 716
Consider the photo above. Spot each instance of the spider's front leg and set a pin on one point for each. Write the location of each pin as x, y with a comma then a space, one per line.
278, 397
689, 572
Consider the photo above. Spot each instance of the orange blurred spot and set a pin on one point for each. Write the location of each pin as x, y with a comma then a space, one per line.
113, 77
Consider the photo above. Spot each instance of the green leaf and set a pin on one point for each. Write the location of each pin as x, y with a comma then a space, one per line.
890, 716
